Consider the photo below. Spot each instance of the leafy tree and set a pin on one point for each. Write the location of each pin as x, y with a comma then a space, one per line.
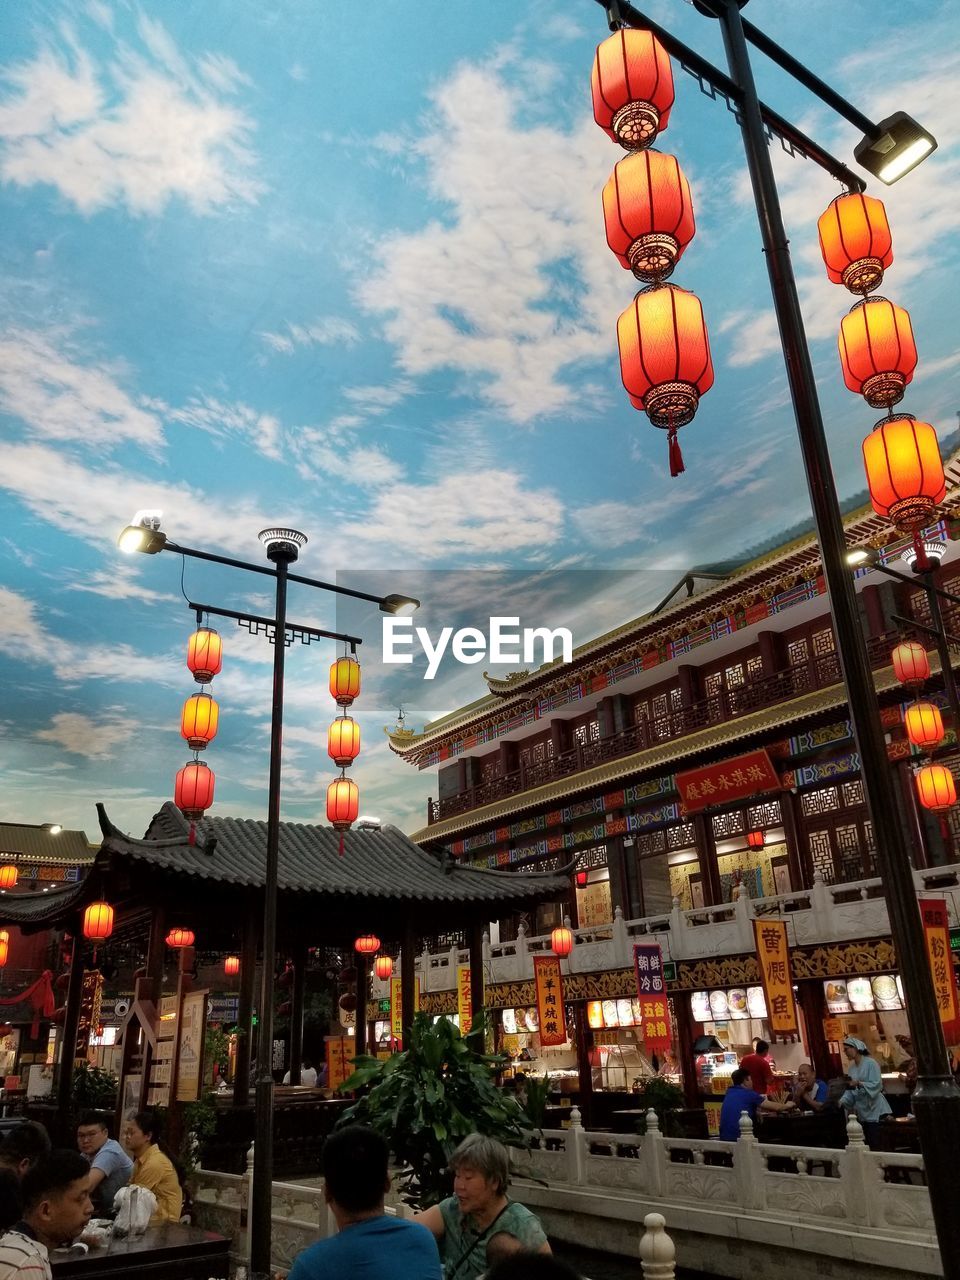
426, 1100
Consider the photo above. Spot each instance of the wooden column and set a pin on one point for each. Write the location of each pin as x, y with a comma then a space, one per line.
801, 876
689, 677
156, 955
476, 967
248, 974
916, 835
408, 961
707, 856
585, 1071
296, 1014
687, 1032
619, 896
71, 1023
814, 1006
873, 608
770, 652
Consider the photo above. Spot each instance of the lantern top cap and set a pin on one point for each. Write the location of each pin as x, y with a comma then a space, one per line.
282, 544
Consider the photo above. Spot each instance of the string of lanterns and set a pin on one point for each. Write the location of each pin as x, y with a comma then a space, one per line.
199, 721
343, 746
936, 789
665, 360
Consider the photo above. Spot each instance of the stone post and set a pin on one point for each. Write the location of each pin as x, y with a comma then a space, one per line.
748, 1167
857, 1175
653, 1155
576, 1150
622, 950
743, 914
821, 904
678, 927
658, 1256
524, 966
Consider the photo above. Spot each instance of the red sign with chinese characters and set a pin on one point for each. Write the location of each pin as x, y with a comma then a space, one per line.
936, 935
735, 779
652, 995
553, 1023
773, 954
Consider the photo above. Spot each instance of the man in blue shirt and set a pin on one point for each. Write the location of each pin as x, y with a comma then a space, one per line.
368, 1245
110, 1166
809, 1093
741, 1096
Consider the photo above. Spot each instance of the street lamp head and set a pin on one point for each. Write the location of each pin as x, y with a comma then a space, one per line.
897, 146
143, 534
282, 544
859, 556
933, 552
399, 606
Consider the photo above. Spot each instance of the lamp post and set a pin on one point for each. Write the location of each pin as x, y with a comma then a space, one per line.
937, 1098
282, 548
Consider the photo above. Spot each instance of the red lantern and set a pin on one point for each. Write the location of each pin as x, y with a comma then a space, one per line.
345, 680
4, 947
877, 352
904, 471
632, 86
855, 241
204, 654
648, 214
367, 944
193, 789
9, 876
343, 803
343, 741
98, 921
180, 938
383, 967
231, 966
561, 941
756, 839
582, 877
199, 721
935, 788
924, 725
665, 359
910, 662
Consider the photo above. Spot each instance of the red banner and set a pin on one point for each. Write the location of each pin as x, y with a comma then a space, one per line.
735, 779
553, 1022
773, 954
652, 994
936, 934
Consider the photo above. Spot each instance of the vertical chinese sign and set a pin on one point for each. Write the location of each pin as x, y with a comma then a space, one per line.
936, 936
652, 994
396, 1009
90, 997
338, 1061
192, 1024
553, 1023
464, 999
773, 955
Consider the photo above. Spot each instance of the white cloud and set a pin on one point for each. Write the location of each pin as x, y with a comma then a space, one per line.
327, 331
609, 524
120, 582
83, 736
376, 400
138, 130
215, 417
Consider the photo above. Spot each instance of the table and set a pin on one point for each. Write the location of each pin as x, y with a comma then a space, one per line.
168, 1252
803, 1128
898, 1135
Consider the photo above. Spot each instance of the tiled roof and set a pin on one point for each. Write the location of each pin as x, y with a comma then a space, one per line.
31, 910
381, 864
39, 844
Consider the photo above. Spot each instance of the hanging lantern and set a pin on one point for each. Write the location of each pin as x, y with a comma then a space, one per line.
199, 720
632, 84
4, 948
561, 941
343, 803
98, 921
904, 471
910, 662
343, 741
665, 359
193, 789
383, 967
180, 938
648, 214
204, 654
9, 876
877, 352
231, 966
855, 241
582, 877
756, 839
345, 680
367, 944
935, 788
924, 725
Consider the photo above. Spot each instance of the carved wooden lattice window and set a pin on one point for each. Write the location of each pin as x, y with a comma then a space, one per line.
920, 606
823, 800
641, 712
764, 815
588, 859
821, 854
850, 851
728, 824
676, 699
823, 642
713, 683
754, 667
734, 676
585, 733
852, 793
798, 652
651, 844
492, 769
681, 837
660, 707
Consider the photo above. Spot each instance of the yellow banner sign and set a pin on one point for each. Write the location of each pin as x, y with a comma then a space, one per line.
338, 1061
464, 998
773, 954
396, 1009
553, 1023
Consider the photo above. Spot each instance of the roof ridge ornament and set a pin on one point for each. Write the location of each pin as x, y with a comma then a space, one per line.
199, 839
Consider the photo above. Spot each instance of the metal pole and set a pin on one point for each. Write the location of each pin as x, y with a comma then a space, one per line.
936, 1102
943, 647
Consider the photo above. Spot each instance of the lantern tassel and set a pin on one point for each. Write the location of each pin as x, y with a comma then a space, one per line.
341, 844
676, 457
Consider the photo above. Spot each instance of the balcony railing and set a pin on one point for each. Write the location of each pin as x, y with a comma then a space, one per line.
719, 708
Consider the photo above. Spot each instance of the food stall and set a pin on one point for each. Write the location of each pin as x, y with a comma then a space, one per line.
618, 1057
733, 1020
518, 1036
872, 1009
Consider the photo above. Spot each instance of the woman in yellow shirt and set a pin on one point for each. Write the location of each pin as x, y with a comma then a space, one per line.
151, 1168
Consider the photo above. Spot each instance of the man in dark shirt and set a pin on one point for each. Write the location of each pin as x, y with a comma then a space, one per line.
741, 1096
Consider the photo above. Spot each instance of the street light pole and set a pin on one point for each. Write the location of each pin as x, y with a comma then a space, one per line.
936, 1102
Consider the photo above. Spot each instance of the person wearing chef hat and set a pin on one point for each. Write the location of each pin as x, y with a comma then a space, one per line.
864, 1092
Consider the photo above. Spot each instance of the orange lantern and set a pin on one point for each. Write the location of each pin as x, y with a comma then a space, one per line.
98, 921
910, 662
904, 471
935, 788
877, 352
632, 84
855, 241
9, 876
383, 967
665, 359
4, 948
343, 741
367, 944
924, 725
193, 789
204, 654
180, 938
343, 803
345, 680
199, 720
561, 941
756, 839
231, 966
648, 214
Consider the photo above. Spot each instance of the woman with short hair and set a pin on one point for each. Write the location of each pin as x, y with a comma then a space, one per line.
152, 1167
479, 1216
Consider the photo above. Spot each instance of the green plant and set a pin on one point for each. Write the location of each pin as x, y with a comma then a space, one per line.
426, 1100
199, 1125
663, 1097
94, 1089
538, 1091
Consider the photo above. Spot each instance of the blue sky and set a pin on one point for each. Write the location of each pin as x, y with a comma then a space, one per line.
274, 262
